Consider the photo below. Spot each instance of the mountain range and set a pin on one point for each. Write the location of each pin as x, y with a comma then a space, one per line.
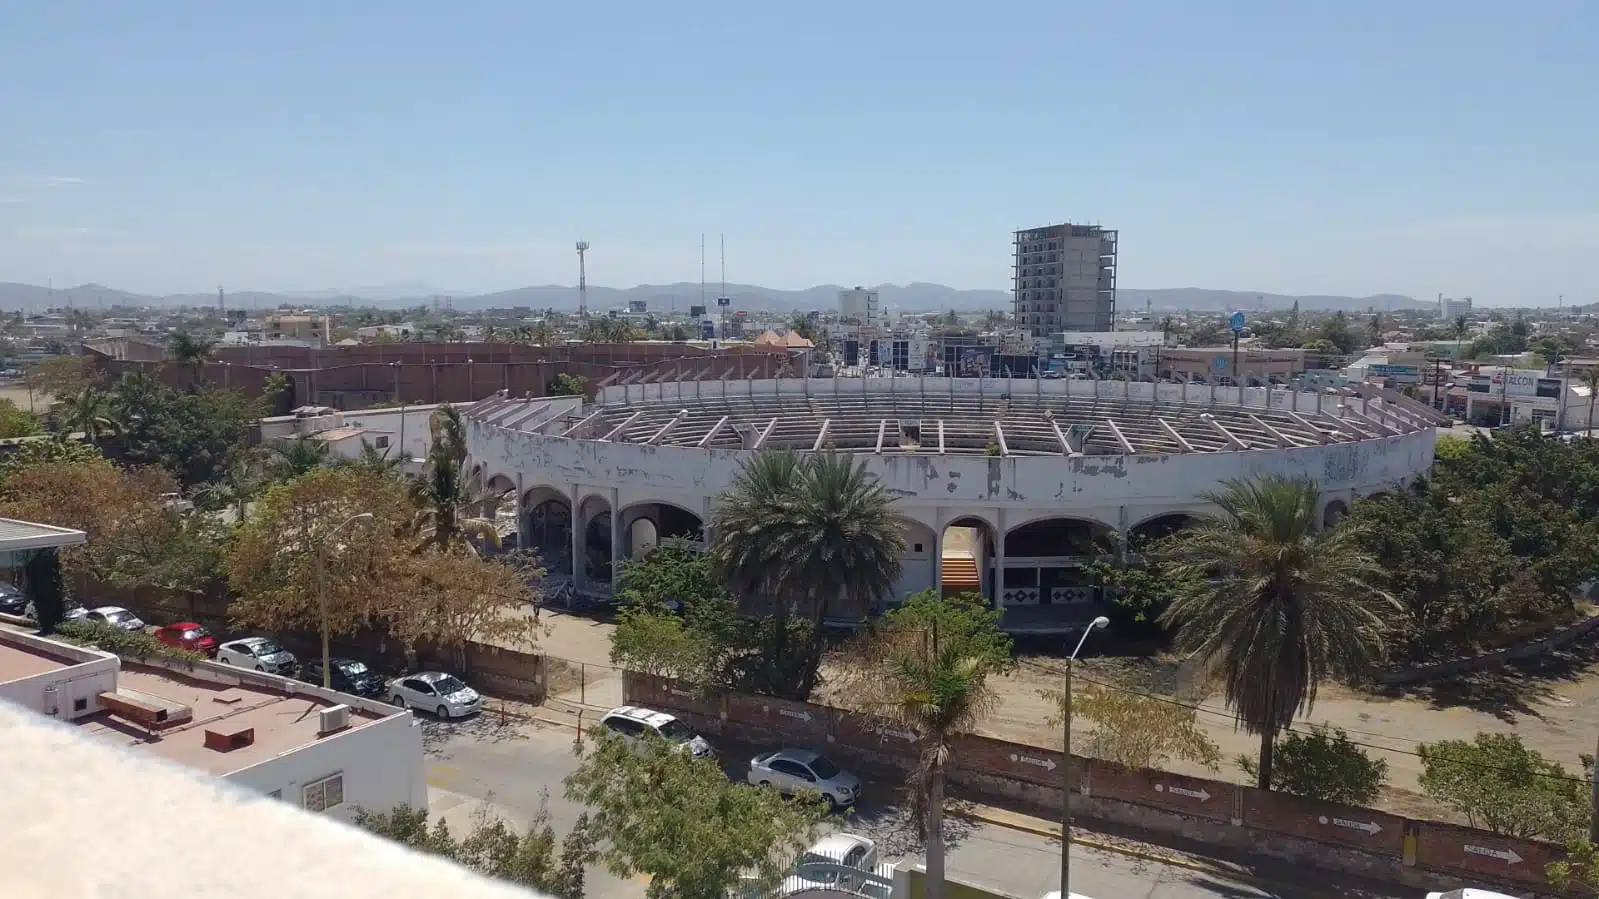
679, 297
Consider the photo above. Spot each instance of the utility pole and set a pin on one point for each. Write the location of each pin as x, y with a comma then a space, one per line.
582, 282
1066, 764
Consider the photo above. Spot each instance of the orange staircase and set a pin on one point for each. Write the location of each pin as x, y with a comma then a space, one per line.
959, 574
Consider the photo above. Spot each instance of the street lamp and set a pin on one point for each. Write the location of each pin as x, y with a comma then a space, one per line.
1066, 766
322, 589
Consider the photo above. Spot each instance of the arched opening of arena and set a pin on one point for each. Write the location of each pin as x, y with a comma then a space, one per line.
546, 528
646, 525
1047, 563
966, 551
596, 544
1158, 528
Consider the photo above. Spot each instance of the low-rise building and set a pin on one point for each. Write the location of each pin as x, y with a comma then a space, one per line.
314, 748
401, 432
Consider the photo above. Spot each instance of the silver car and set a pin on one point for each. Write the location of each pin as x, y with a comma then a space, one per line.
794, 770
117, 617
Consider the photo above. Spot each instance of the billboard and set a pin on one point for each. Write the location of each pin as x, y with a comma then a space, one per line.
852, 352
1399, 374
637, 307
696, 311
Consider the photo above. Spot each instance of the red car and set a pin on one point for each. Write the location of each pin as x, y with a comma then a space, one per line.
188, 635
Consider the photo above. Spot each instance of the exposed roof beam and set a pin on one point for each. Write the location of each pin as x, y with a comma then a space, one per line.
1315, 430
579, 426
1229, 436
1065, 445
618, 429
1380, 429
1116, 432
515, 421
1282, 439
711, 434
821, 435
999, 433
882, 431
667, 428
1182, 442
941, 436
765, 433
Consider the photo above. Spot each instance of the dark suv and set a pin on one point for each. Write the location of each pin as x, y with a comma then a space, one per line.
349, 676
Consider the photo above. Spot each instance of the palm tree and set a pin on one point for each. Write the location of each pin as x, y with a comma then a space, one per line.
1278, 604
88, 411
190, 351
1590, 379
934, 685
293, 458
1461, 327
247, 475
373, 460
444, 494
541, 333
809, 533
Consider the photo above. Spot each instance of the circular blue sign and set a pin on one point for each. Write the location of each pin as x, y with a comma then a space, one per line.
1236, 322
1220, 364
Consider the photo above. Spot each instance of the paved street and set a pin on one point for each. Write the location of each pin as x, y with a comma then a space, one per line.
516, 765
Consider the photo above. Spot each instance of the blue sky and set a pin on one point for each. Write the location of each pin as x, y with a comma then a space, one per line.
1349, 148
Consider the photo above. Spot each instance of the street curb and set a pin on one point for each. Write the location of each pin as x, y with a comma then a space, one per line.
980, 814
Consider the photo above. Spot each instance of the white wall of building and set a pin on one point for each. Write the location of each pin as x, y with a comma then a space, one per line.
93, 673
406, 427
862, 305
380, 763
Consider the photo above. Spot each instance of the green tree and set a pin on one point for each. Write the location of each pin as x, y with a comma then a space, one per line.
925, 667
1335, 330
17, 422
531, 858
1279, 606
190, 351
41, 577
59, 376
444, 496
664, 813
45, 452
1590, 380
88, 412
541, 333
293, 458
564, 384
1501, 785
1323, 764
193, 434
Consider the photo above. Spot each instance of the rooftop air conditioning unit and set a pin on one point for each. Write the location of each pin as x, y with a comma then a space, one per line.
333, 718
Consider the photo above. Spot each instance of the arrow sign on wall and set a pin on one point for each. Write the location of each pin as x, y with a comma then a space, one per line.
1509, 855
905, 735
1046, 764
1201, 794
803, 716
1371, 828
676, 692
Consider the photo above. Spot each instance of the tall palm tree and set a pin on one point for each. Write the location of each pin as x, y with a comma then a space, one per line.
1277, 603
810, 534
246, 476
1590, 379
190, 351
444, 493
89, 411
1461, 327
541, 333
935, 686
375, 461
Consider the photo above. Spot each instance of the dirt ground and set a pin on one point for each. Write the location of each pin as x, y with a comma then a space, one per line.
1553, 704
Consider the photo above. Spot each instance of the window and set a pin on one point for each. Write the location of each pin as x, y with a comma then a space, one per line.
323, 794
418, 686
275, 794
381, 443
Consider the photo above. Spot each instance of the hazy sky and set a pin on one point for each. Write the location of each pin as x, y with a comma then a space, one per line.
1412, 146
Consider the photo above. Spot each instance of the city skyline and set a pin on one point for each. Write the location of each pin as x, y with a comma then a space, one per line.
1348, 151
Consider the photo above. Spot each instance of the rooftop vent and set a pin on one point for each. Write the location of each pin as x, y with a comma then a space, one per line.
333, 718
229, 740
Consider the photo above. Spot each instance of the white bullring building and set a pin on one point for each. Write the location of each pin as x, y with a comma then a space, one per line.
1012, 487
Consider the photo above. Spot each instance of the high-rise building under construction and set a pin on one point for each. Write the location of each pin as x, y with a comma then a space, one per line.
1065, 279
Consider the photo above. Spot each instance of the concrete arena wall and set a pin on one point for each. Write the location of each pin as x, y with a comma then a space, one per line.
1118, 491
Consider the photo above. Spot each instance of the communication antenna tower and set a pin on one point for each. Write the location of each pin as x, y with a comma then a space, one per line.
582, 280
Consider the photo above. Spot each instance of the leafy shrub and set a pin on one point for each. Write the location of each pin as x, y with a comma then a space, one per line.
115, 640
1323, 765
1500, 784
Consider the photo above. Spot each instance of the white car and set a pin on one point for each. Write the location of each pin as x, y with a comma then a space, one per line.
840, 861
1469, 893
633, 723
434, 691
116, 616
257, 654
793, 770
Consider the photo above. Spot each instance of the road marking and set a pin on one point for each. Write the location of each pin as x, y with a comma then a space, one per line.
1372, 828
1046, 764
1201, 794
1510, 856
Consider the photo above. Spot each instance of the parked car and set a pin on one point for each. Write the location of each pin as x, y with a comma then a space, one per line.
633, 723
72, 612
793, 770
117, 617
188, 635
12, 602
260, 654
442, 694
1470, 893
840, 861
348, 676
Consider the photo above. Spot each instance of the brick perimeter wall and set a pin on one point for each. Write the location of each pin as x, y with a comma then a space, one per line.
1360, 841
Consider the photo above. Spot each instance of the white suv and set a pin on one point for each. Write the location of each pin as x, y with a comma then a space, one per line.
632, 723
